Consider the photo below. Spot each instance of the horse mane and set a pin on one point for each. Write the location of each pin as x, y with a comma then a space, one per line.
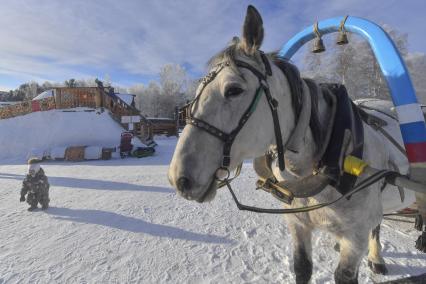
230, 52
227, 54
294, 79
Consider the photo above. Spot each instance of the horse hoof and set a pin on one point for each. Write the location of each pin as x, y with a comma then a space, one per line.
337, 247
418, 223
345, 277
378, 268
421, 242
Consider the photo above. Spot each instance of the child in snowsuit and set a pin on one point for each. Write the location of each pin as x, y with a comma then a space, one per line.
36, 185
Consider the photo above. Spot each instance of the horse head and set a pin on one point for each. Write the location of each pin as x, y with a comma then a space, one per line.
230, 117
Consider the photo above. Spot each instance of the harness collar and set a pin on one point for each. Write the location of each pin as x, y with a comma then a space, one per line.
346, 127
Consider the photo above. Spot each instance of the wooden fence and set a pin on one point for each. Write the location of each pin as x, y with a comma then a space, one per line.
65, 98
164, 126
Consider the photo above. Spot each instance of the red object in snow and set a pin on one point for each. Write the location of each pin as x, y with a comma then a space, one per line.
126, 143
35, 106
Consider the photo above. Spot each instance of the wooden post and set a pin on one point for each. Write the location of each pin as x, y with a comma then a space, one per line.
177, 120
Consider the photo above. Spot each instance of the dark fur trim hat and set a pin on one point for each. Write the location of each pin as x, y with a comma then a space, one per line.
33, 161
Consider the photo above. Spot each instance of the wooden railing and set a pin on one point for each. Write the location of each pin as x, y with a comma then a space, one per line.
164, 126
102, 98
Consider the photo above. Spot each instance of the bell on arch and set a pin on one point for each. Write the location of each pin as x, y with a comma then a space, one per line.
342, 39
318, 46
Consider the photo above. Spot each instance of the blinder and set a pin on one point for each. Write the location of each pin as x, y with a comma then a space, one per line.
228, 138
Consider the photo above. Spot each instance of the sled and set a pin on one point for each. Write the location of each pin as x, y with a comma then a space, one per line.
142, 152
126, 144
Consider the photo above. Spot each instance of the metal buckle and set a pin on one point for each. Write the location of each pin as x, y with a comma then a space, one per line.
264, 84
274, 103
270, 185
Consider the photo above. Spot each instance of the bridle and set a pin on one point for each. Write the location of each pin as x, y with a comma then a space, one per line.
229, 138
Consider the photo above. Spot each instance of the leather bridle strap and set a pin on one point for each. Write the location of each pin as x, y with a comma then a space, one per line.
273, 104
228, 138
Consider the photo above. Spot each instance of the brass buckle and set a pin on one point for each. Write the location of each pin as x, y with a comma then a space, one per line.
271, 185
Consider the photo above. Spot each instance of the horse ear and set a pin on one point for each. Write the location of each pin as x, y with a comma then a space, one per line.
252, 31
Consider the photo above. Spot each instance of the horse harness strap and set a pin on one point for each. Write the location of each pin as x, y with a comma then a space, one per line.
378, 124
347, 123
360, 186
228, 138
330, 159
345, 126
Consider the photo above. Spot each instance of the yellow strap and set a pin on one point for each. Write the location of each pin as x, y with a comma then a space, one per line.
354, 166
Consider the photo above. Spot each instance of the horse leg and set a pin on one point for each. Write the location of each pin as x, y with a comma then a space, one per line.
375, 260
352, 249
302, 252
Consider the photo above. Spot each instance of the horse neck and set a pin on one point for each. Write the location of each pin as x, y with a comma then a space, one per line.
302, 162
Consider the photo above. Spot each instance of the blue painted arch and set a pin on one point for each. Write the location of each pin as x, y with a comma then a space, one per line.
394, 70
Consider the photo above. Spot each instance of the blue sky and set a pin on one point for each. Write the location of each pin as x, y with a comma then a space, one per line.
129, 41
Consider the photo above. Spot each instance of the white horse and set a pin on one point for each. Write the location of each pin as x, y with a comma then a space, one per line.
224, 98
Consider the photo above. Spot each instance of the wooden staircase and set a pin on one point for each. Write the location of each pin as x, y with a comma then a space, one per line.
126, 115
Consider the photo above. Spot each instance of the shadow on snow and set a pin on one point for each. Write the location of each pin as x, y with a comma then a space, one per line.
94, 184
131, 224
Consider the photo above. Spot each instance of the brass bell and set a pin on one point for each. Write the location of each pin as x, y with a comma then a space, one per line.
342, 39
318, 46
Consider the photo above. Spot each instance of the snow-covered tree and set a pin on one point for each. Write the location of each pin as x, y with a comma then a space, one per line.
172, 79
416, 64
353, 65
71, 83
160, 100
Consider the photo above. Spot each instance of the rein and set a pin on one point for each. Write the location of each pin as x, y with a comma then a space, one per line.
362, 185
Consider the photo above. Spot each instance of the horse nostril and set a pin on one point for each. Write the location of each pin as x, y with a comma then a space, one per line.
183, 184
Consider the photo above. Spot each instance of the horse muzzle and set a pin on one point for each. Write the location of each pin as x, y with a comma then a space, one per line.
190, 190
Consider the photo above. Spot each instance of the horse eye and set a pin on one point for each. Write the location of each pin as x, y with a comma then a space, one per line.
233, 91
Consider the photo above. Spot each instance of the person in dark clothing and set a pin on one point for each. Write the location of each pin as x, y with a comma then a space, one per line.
36, 186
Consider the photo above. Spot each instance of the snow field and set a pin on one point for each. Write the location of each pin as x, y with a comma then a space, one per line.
119, 221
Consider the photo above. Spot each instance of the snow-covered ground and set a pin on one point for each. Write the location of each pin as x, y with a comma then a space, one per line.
119, 221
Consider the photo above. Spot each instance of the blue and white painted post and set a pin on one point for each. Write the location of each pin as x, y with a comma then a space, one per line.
410, 115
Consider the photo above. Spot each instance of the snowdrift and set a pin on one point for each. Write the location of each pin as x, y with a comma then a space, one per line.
39, 132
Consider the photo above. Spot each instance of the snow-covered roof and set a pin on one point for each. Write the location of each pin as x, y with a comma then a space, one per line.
4, 104
159, 118
44, 95
127, 98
